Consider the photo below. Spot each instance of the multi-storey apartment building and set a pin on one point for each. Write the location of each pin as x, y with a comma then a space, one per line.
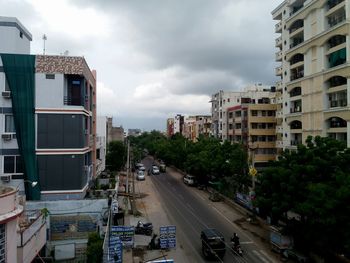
203, 126
313, 48
169, 127
48, 109
253, 123
178, 123
101, 144
114, 133
223, 100
189, 128
219, 103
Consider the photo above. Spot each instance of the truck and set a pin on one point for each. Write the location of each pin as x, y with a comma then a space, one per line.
280, 242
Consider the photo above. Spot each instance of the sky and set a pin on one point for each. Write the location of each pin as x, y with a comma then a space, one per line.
157, 58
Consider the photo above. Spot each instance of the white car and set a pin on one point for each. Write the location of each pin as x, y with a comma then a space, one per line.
155, 169
142, 168
189, 179
140, 176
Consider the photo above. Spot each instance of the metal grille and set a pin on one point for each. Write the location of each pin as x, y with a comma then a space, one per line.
2, 243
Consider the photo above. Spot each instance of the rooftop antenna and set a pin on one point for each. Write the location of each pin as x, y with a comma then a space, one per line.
44, 38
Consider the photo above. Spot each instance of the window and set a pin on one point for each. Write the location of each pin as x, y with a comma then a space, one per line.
21, 34
50, 76
228, 100
2, 243
254, 113
13, 164
9, 124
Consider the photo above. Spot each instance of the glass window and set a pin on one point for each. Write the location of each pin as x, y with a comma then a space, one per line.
19, 164
9, 164
9, 123
13, 164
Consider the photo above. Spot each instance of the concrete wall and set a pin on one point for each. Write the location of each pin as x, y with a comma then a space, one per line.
49, 93
12, 40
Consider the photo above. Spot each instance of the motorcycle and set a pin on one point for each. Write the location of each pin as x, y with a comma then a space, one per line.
155, 243
144, 228
237, 249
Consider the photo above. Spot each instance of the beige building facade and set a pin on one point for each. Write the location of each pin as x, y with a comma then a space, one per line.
313, 92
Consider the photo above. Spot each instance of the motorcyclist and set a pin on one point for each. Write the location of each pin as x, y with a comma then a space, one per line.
235, 240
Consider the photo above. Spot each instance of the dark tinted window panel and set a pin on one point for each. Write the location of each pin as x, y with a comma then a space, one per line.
9, 164
19, 164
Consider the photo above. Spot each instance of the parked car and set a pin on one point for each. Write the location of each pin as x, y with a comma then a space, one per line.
295, 256
155, 169
140, 176
162, 168
213, 243
189, 179
142, 168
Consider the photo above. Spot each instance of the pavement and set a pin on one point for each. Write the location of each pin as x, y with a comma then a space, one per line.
151, 210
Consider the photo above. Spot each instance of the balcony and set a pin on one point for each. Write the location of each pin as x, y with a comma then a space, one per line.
296, 109
279, 71
279, 41
295, 92
278, 27
337, 58
279, 56
338, 103
337, 18
297, 73
295, 142
279, 85
333, 3
31, 236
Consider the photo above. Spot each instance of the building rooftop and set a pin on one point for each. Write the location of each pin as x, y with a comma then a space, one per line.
14, 22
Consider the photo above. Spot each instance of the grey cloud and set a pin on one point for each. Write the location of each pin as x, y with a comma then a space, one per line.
197, 36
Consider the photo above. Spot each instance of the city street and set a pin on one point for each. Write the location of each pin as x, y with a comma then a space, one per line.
191, 211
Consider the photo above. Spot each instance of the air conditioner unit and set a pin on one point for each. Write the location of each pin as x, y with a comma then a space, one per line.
86, 97
6, 94
5, 178
6, 136
86, 132
86, 168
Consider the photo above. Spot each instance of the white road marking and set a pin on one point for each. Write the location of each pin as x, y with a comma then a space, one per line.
228, 220
267, 256
189, 206
246, 242
201, 197
260, 257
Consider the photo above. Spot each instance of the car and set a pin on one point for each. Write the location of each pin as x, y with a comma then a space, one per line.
213, 243
162, 168
189, 179
142, 168
140, 176
155, 169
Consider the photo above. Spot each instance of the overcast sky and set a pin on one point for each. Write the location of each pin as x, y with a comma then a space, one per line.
157, 58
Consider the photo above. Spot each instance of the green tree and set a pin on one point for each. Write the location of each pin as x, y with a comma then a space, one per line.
94, 250
313, 182
116, 155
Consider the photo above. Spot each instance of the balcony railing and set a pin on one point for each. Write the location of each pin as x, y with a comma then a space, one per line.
297, 75
338, 103
278, 27
295, 142
74, 101
295, 93
295, 109
334, 20
296, 42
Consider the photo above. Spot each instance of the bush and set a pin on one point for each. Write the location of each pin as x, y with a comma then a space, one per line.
94, 251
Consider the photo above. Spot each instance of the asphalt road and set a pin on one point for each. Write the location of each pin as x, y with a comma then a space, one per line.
191, 213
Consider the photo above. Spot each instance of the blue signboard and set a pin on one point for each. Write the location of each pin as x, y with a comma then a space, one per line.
125, 233
167, 236
115, 248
